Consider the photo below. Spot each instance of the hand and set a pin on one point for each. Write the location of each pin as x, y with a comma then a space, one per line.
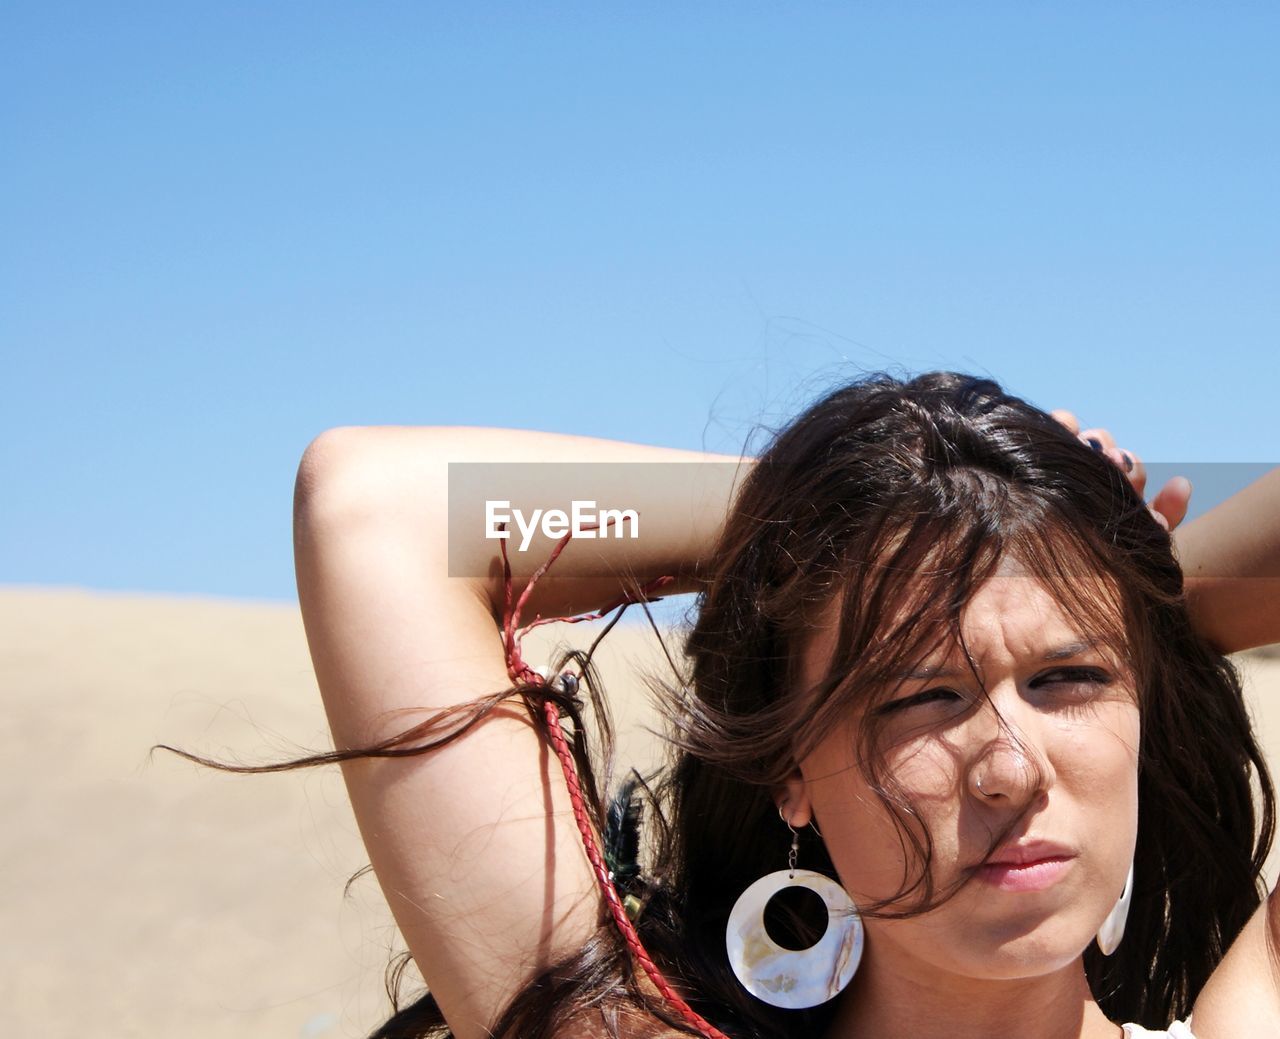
1169, 506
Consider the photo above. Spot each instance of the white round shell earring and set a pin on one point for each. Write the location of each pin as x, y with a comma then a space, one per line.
1112, 929
794, 978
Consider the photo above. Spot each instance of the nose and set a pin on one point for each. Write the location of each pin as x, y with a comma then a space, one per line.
1007, 767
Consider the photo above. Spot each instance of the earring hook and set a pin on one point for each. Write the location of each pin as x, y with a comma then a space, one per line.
794, 853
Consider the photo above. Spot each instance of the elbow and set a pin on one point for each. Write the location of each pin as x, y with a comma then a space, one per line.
340, 480
320, 471
355, 476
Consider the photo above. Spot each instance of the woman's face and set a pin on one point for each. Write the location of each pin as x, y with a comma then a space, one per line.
1062, 771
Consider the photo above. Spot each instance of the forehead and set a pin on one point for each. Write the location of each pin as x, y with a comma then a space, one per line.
1013, 615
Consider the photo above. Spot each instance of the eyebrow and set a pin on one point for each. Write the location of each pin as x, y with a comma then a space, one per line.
1063, 652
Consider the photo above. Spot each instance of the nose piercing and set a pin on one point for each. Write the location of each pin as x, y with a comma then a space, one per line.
978, 783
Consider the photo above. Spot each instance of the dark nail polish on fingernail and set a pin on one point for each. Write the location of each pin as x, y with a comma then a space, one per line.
1128, 461
1095, 443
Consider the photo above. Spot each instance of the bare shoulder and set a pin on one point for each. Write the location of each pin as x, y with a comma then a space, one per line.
1242, 998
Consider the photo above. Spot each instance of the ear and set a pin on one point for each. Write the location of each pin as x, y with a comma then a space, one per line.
792, 799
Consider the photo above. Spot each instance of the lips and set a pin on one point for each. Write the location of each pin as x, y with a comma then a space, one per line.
1024, 851
1026, 865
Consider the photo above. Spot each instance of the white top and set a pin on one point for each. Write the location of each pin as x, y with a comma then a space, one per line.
1177, 1030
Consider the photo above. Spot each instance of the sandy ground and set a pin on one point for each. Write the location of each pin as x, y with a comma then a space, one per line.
145, 896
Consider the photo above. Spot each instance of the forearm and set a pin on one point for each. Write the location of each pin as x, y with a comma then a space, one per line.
1230, 557
648, 512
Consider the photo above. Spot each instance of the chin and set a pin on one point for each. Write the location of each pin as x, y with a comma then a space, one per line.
1009, 954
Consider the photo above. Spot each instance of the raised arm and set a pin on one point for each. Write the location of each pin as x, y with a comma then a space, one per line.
473, 844
1230, 556
1231, 559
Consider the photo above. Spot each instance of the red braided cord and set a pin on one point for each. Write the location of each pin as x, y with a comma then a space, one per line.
518, 670
607, 888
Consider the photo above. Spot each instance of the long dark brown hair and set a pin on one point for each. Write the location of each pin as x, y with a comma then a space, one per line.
894, 501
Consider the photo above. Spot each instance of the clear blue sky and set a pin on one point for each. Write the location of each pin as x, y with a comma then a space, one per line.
226, 227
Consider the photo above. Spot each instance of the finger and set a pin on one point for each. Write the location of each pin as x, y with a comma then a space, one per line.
1119, 459
1134, 469
1104, 443
1067, 419
1098, 439
1169, 506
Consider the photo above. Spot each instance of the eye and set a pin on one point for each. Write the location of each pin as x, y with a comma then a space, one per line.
1071, 688
1072, 676
928, 696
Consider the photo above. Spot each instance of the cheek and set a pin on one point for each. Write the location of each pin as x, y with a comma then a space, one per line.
927, 771
864, 841
1101, 754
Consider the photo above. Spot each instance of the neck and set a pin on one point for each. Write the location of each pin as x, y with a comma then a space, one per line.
894, 998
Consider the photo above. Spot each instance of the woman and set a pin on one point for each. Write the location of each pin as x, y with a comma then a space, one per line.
934, 625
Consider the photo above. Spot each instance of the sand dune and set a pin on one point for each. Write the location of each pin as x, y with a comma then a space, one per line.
149, 896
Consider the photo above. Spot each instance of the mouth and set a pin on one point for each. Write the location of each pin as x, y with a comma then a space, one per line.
1026, 866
